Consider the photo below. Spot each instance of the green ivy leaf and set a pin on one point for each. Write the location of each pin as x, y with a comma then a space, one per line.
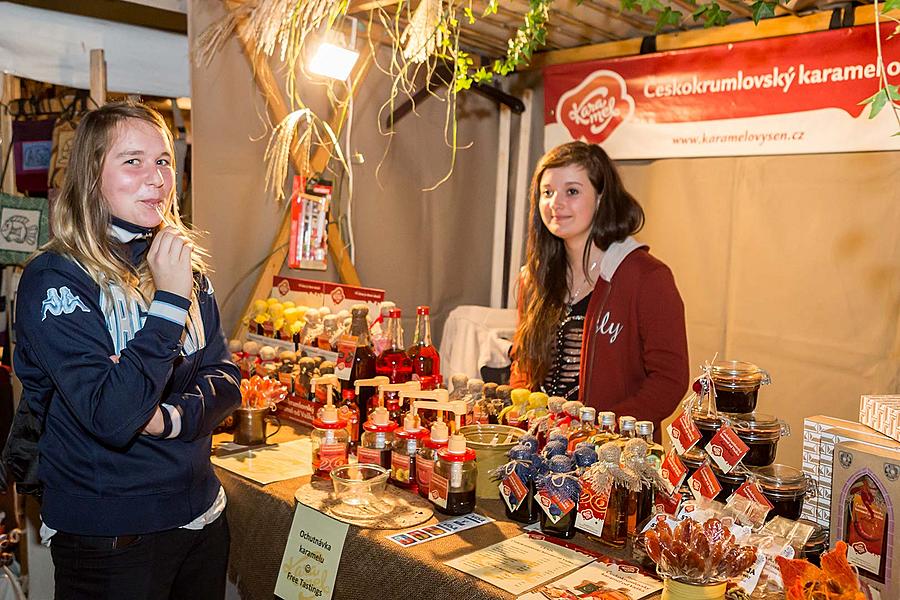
648, 5
666, 18
877, 101
697, 14
889, 5
762, 9
491, 8
628, 4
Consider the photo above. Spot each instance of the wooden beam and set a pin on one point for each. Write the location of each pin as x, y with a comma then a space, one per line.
361, 7
98, 78
12, 89
695, 38
278, 109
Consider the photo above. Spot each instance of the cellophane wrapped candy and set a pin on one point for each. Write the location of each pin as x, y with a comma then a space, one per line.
259, 392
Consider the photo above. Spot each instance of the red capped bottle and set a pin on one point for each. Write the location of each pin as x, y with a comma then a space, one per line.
394, 363
425, 358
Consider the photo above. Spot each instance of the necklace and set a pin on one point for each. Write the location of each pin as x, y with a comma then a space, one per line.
575, 296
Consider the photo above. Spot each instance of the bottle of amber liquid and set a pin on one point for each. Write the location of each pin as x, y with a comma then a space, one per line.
655, 452
606, 432
615, 527
425, 358
586, 428
363, 359
627, 426
349, 412
403, 457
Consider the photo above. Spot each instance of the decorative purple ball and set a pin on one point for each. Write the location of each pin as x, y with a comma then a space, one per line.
519, 452
562, 464
585, 454
530, 441
555, 448
556, 434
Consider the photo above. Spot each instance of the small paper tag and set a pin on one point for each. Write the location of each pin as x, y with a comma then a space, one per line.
546, 500
437, 491
592, 505
703, 483
424, 471
673, 472
346, 353
667, 503
753, 492
513, 491
683, 432
726, 448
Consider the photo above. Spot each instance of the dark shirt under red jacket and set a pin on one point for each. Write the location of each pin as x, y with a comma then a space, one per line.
634, 356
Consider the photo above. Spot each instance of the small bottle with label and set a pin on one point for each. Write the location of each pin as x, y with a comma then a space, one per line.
329, 331
376, 442
586, 428
607, 429
406, 444
627, 430
452, 488
558, 493
329, 435
655, 452
286, 370
306, 368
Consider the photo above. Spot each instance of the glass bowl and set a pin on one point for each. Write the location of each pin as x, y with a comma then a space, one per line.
359, 484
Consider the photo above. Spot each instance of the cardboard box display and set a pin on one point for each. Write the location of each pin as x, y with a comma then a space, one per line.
820, 435
881, 413
865, 487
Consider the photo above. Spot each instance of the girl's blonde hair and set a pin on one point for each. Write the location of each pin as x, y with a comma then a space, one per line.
80, 216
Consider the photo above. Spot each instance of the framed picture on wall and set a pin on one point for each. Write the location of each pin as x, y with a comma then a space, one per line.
24, 227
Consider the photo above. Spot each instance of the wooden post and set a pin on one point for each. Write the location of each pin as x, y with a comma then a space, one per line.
500, 195
278, 110
98, 78
12, 89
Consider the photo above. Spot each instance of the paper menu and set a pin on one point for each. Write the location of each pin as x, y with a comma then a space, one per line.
599, 580
521, 563
270, 463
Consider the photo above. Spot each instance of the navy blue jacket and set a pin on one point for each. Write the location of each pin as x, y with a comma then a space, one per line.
101, 475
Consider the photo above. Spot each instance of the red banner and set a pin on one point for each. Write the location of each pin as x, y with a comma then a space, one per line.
787, 95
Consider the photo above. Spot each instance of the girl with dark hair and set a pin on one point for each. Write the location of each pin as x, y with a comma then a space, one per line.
122, 359
600, 319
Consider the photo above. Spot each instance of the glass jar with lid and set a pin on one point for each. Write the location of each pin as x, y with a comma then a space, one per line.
737, 384
761, 433
785, 487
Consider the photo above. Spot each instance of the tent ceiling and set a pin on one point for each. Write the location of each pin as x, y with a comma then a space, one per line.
156, 14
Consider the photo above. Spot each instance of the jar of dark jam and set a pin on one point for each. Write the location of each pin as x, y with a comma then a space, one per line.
785, 487
737, 384
693, 459
816, 544
761, 433
730, 481
708, 424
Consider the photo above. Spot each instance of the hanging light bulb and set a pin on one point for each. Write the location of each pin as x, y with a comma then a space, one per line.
332, 57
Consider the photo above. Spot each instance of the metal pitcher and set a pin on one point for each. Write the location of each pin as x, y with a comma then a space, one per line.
251, 424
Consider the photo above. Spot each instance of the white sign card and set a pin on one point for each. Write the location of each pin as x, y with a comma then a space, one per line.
311, 557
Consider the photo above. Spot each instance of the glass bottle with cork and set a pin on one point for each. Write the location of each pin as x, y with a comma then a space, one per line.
393, 362
425, 358
329, 435
363, 367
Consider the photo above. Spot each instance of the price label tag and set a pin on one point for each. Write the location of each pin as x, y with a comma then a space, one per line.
683, 432
703, 483
726, 448
667, 503
753, 492
551, 503
592, 505
513, 491
673, 472
437, 490
346, 353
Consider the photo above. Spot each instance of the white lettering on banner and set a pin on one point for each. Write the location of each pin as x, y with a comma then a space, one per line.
597, 109
607, 328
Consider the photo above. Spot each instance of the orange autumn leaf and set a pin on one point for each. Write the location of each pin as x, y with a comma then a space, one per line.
836, 580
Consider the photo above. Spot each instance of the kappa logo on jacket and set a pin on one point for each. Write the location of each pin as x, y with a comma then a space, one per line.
61, 301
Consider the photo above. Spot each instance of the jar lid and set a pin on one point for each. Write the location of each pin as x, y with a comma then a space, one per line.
781, 479
757, 427
704, 420
693, 458
737, 375
733, 477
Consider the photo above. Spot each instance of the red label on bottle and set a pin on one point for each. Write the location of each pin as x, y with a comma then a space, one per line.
368, 455
673, 472
592, 506
424, 469
346, 349
546, 500
752, 491
437, 491
400, 467
703, 483
683, 432
668, 503
726, 448
513, 491
330, 456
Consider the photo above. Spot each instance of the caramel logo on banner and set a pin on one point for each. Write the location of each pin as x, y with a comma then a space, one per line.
592, 110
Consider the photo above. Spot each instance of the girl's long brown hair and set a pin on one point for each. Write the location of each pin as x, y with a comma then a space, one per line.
545, 278
80, 216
